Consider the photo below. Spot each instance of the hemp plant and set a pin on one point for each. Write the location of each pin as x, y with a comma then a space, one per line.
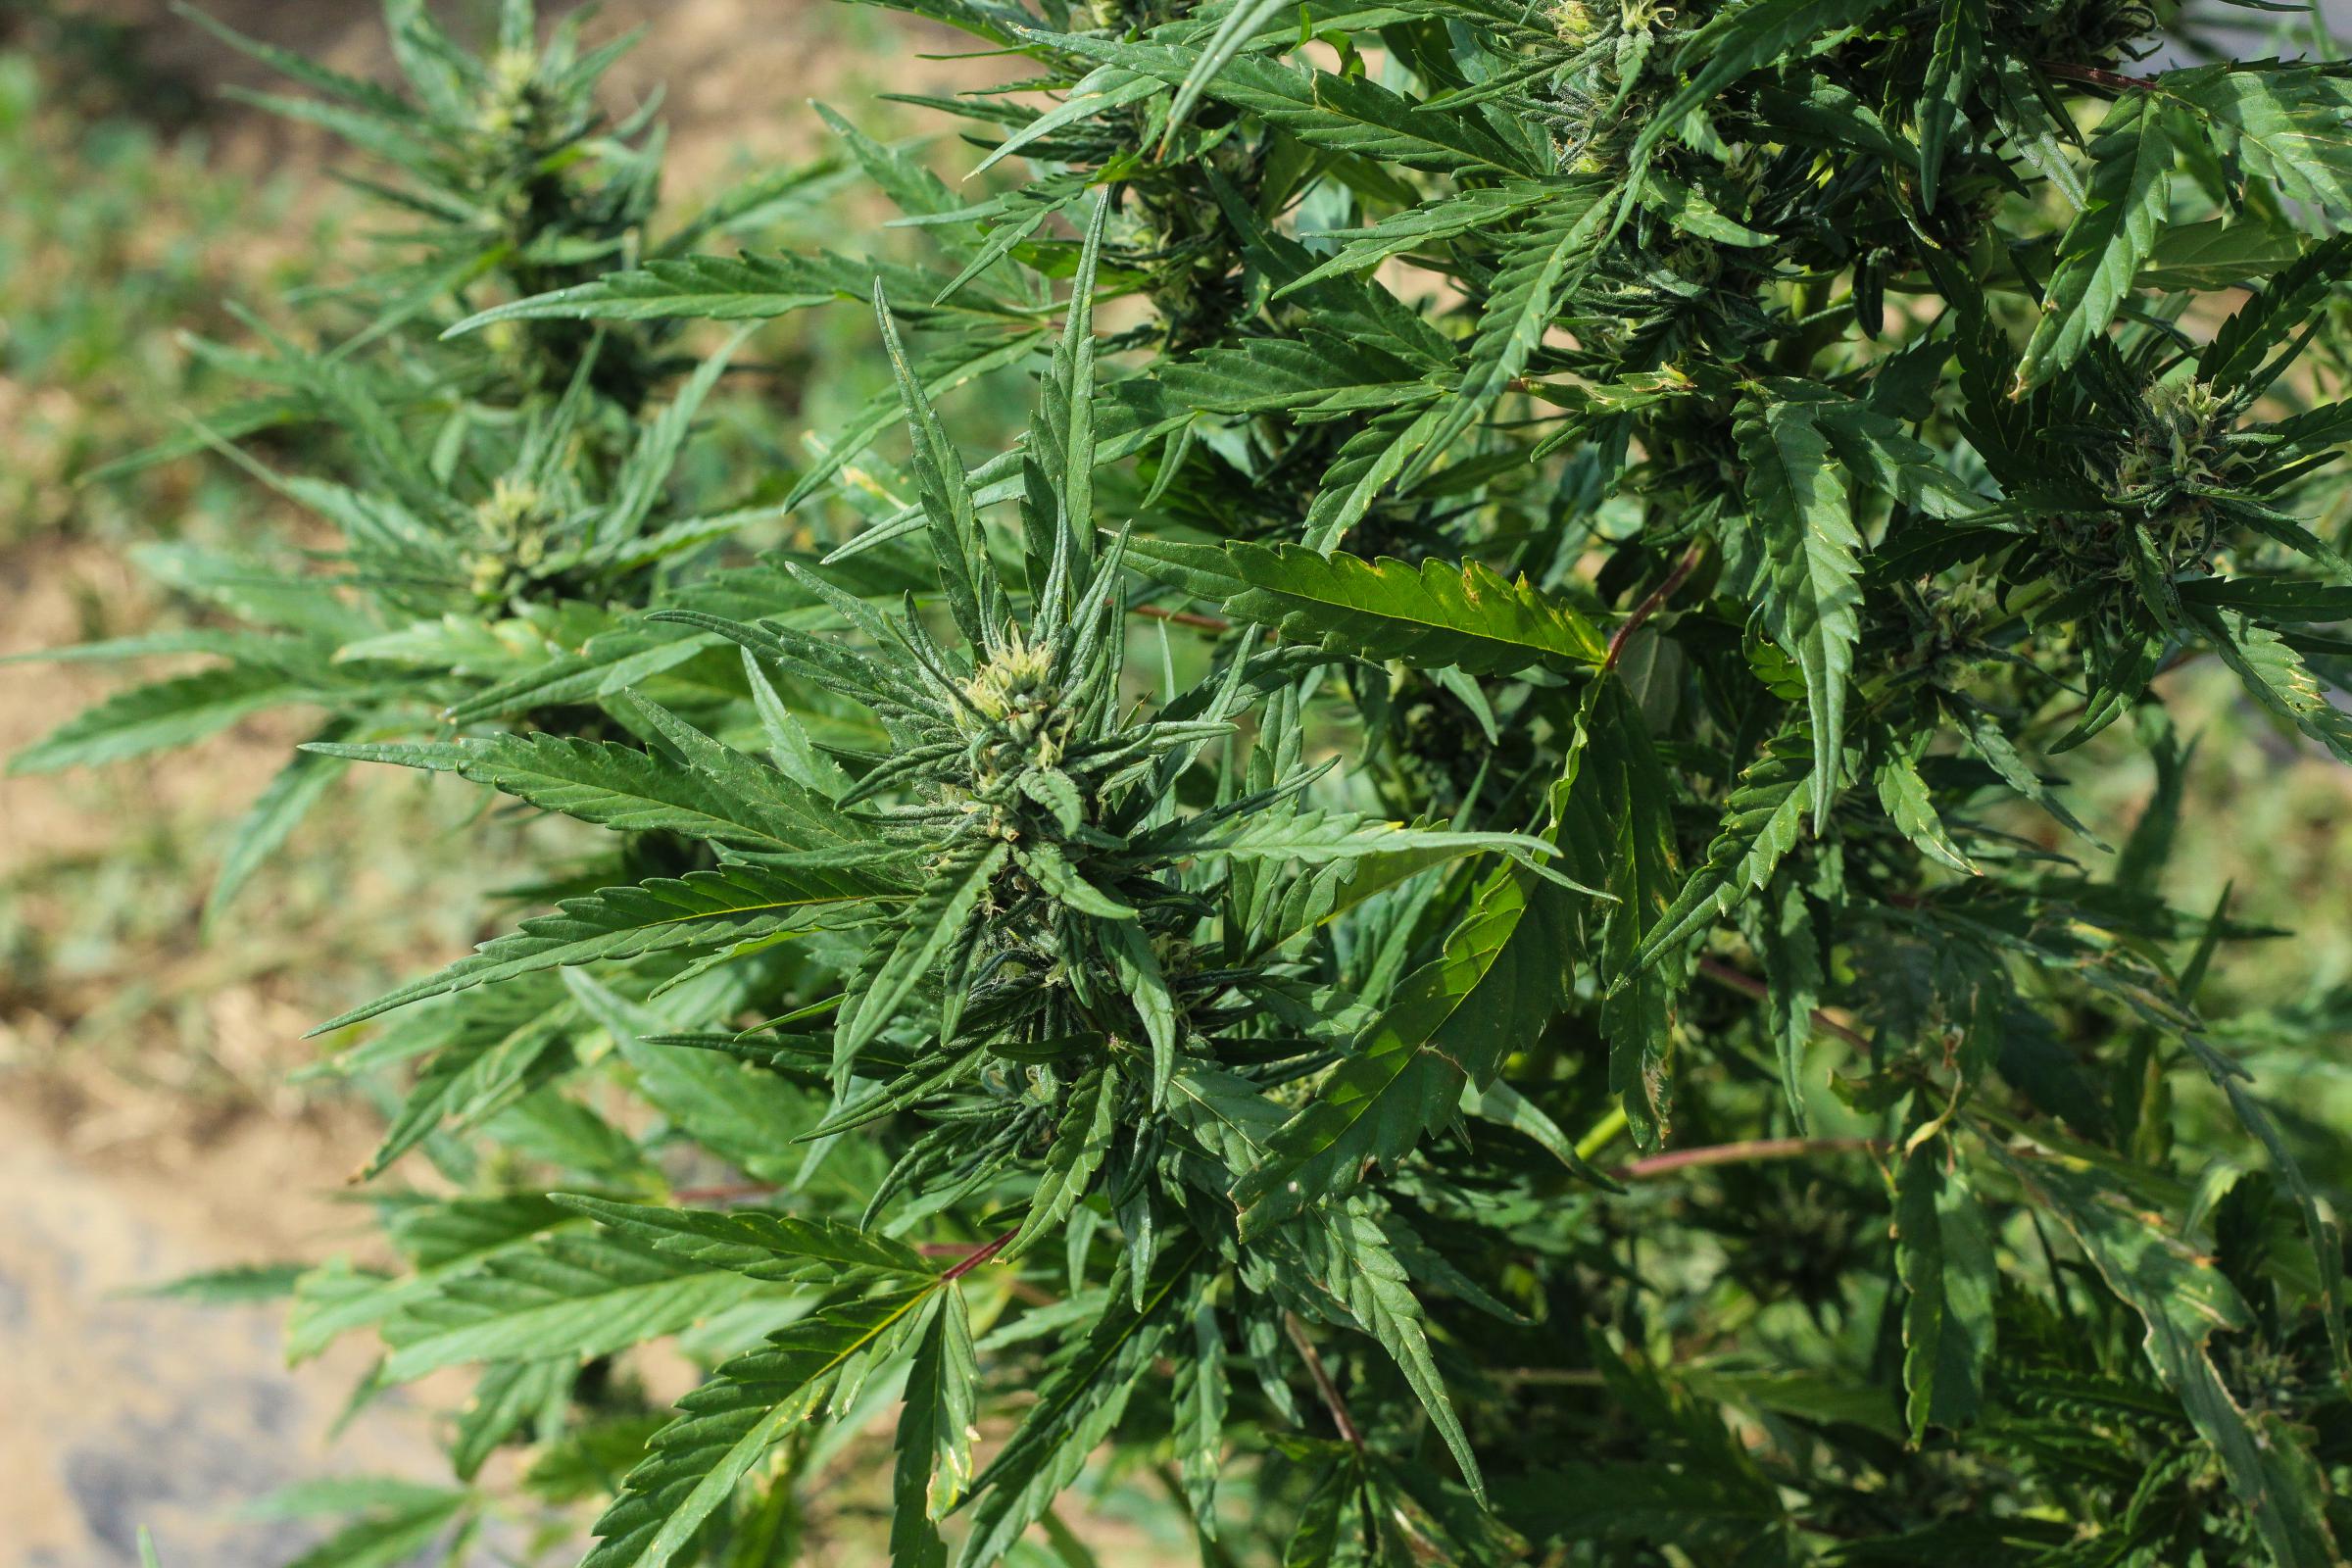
1446, 919
498, 502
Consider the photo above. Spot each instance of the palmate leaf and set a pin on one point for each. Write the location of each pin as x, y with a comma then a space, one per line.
1617, 831
1537, 267
2184, 1301
935, 925
1418, 226
703, 909
935, 1433
1762, 818
1079, 1402
719, 289
441, 1242
956, 548
157, 717
758, 1245
1438, 614
1799, 568
726, 1425
2275, 676
266, 825
2286, 121
1950, 79
1492, 991
1743, 38
570, 1295
1340, 1257
1367, 464
2109, 240
1202, 1393
1911, 807
1080, 1140
1345, 114
626, 790
1313, 838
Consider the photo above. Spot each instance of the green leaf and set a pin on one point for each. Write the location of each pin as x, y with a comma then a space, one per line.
1234, 28
1080, 1140
1762, 820
1079, 1402
935, 925
1446, 217
713, 288
626, 790
1743, 38
1617, 829
1452, 1021
1787, 942
2109, 241
1950, 79
1438, 614
265, 828
568, 1294
703, 909
157, 716
386, 1538
1350, 113
1534, 270
956, 547
754, 1243
2275, 676
2287, 122
1799, 569
2184, 1301
1912, 810
1344, 1257
935, 1434
725, 1426
1202, 1396
1943, 1255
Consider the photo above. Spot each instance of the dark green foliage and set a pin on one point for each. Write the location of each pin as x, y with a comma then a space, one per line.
1559, 620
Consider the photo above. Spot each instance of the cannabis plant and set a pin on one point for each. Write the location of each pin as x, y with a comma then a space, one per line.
1439, 921
496, 503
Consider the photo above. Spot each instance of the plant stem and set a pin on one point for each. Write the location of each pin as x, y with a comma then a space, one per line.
1324, 1387
1651, 604
1604, 1133
1723, 974
1746, 1152
1182, 618
980, 1256
2097, 78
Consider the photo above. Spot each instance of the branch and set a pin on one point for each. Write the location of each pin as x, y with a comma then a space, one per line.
1748, 1151
2097, 78
980, 1256
1324, 1387
1650, 605
1182, 618
1748, 985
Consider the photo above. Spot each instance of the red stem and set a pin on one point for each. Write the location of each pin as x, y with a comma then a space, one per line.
2097, 78
1182, 618
1742, 1152
1650, 605
1748, 985
1324, 1387
981, 1254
